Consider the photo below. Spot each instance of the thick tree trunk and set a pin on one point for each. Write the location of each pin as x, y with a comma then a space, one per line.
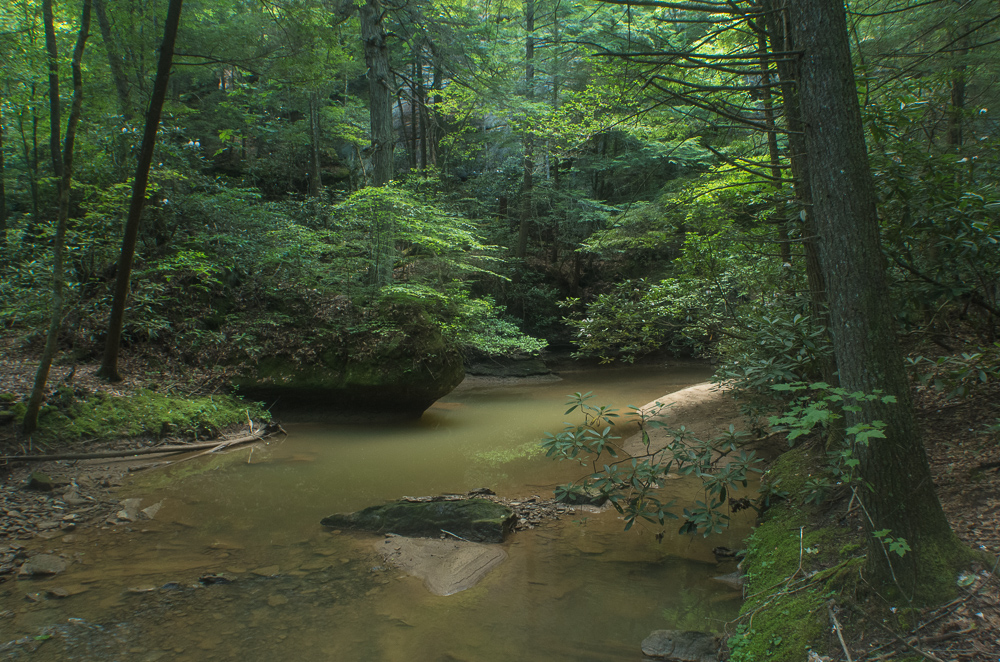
109, 367
66, 174
897, 491
379, 91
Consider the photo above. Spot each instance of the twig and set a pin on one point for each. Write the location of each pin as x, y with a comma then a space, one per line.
799, 569
839, 630
452, 534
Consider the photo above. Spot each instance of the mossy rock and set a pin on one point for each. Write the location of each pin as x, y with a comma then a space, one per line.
400, 369
476, 520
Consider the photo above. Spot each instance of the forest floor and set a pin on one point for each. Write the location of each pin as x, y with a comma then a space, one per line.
964, 456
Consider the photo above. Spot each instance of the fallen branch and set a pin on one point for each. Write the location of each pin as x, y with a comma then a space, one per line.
177, 448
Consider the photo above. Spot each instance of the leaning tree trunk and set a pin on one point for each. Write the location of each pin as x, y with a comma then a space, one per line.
109, 367
897, 491
379, 90
66, 173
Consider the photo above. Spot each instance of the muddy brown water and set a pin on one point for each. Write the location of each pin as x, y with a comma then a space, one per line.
575, 589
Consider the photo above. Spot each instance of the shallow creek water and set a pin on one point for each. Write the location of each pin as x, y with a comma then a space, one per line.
573, 589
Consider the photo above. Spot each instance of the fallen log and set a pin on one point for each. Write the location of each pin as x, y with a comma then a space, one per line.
176, 448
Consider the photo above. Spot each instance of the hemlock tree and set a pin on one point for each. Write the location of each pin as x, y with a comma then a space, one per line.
811, 53
898, 493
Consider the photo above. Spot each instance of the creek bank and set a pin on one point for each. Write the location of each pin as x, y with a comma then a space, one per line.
507, 366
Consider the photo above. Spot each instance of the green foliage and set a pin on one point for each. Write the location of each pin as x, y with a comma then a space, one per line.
959, 375
779, 347
631, 484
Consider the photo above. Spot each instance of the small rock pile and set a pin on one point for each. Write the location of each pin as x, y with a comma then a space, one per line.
54, 505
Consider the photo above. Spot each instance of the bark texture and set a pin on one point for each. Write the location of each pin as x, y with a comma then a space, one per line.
109, 366
65, 169
380, 91
897, 491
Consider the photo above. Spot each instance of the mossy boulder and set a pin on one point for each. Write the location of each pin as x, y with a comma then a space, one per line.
400, 368
476, 520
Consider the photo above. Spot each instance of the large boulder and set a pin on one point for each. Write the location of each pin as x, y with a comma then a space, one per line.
400, 368
474, 520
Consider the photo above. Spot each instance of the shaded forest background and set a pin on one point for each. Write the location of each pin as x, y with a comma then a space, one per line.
611, 176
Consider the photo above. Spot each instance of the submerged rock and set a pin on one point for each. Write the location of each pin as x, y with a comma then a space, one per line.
43, 564
445, 566
584, 497
681, 646
475, 520
734, 579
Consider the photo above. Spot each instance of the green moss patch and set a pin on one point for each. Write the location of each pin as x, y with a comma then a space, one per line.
103, 416
478, 520
793, 569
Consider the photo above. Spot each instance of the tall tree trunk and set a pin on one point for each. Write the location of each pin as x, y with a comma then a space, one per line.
55, 111
29, 153
115, 60
3, 190
774, 155
379, 91
436, 84
316, 175
776, 19
896, 487
421, 101
109, 367
957, 108
409, 139
529, 137
66, 174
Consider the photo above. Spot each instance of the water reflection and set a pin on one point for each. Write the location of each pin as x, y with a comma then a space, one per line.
576, 589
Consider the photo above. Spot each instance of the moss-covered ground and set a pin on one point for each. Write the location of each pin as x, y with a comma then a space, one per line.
794, 568
69, 419
805, 565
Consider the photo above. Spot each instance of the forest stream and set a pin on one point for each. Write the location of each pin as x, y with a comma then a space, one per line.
575, 588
